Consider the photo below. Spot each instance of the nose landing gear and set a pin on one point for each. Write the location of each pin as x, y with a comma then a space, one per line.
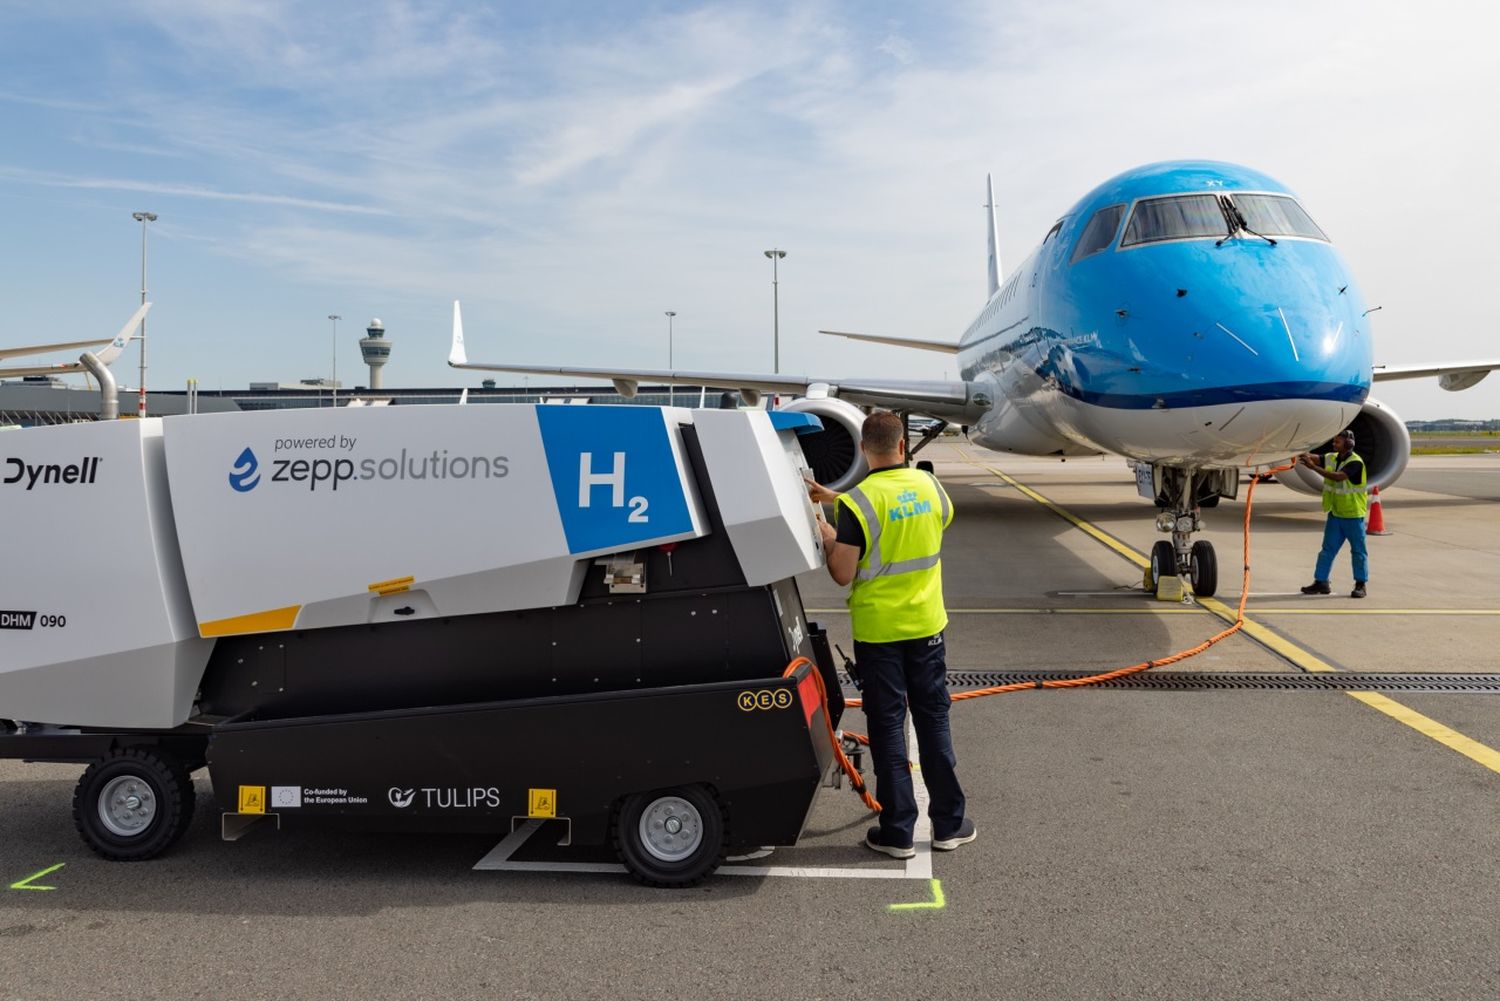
1181, 493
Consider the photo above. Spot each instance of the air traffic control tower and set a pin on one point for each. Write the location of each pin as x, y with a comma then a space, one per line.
376, 350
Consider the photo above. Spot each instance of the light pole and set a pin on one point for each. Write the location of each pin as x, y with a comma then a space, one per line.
143, 218
775, 256
334, 387
671, 387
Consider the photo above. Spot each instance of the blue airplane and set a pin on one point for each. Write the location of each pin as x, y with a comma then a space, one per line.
1188, 315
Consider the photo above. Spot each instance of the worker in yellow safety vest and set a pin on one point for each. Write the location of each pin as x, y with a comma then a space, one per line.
1344, 498
888, 544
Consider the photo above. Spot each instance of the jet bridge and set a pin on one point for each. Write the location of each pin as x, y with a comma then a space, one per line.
432, 618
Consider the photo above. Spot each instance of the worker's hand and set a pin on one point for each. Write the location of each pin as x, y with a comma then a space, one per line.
828, 532
819, 493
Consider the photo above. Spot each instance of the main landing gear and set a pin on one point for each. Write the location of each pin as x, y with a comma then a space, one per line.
1181, 494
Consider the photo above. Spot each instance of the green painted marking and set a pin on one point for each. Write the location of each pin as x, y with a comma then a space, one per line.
937, 903
25, 884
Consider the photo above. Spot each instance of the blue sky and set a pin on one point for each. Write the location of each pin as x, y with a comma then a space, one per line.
570, 171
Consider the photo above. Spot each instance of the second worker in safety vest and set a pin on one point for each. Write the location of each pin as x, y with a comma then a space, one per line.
888, 545
1344, 478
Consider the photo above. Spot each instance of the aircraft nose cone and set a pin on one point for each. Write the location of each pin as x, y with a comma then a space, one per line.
1298, 344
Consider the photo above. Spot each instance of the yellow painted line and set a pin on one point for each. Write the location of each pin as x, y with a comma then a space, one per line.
1304, 659
937, 903
1377, 611
1452, 739
255, 622
1062, 512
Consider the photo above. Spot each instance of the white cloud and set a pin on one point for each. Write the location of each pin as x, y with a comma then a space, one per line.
577, 174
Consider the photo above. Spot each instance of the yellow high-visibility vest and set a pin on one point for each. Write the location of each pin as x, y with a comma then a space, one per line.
1345, 498
898, 587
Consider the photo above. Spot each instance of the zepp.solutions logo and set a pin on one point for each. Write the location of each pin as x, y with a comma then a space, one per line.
401, 798
246, 472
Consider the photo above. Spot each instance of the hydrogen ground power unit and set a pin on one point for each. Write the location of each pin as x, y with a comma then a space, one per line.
422, 618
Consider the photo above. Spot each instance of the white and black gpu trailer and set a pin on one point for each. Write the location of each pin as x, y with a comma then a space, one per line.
428, 618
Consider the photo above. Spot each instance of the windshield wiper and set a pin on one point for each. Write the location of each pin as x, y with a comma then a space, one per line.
1230, 221
1238, 222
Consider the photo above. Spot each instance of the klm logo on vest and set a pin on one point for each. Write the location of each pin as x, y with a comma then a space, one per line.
907, 506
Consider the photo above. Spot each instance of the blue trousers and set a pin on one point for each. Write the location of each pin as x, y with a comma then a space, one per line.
1335, 531
910, 673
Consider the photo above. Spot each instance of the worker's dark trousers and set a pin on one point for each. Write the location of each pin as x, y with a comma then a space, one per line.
915, 673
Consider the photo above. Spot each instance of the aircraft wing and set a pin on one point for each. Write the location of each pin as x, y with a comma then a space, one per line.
958, 402
113, 347
42, 349
900, 342
1452, 376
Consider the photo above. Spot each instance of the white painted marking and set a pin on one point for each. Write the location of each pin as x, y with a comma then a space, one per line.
920, 865
1288, 330
1242, 343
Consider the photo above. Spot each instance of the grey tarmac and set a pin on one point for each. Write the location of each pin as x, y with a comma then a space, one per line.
1132, 844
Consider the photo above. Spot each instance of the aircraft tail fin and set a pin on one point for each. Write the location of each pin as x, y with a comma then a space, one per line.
456, 354
116, 347
989, 225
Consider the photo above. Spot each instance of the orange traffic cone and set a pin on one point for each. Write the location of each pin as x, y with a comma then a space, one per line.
1376, 525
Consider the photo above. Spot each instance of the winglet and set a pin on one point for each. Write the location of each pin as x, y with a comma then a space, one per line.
456, 354
990, 234
117, 346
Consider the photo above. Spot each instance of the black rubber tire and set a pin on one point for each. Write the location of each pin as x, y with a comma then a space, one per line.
171, 786
651, 870
1163, 562
1203, 569
925, 465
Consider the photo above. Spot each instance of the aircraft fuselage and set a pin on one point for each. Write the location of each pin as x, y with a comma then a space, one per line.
1174, 341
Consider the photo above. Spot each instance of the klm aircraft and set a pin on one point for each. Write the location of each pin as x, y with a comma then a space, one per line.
1189, 315
113, 348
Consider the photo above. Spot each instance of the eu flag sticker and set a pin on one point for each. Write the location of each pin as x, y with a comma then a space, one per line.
615, 475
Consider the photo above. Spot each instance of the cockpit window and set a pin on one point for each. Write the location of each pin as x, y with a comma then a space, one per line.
1276, 215
1099, 233
1178, 217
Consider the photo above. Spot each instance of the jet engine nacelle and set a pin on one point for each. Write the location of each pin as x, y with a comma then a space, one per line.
833, 453
1380, 438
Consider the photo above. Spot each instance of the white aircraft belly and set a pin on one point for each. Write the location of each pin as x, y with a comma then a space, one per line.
1232, 434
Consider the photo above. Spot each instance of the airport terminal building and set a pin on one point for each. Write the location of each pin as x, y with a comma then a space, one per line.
43, 400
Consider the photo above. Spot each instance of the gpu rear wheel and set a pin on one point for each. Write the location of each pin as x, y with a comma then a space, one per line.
671, 837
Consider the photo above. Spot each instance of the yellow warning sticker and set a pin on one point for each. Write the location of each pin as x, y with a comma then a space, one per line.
393, 586
541, 803
252, 799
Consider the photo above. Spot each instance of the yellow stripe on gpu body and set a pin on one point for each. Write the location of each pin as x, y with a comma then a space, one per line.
269, 621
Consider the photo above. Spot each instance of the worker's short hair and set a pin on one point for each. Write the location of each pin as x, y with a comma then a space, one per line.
1347, 435
882, 431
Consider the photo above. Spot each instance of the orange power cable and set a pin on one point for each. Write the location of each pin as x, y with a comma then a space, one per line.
1094, 679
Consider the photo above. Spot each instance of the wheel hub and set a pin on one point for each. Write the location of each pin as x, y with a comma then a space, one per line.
671, 829
127, 806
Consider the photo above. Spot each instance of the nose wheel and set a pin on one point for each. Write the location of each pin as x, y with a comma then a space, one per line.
1203, 569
